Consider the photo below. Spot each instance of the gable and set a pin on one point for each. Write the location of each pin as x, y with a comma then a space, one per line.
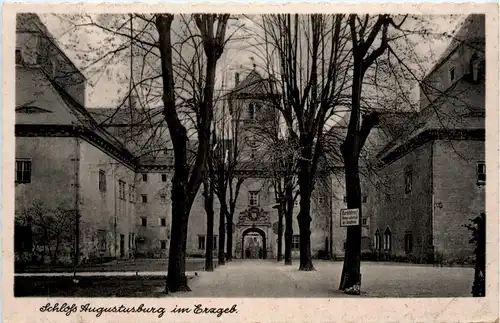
37, 101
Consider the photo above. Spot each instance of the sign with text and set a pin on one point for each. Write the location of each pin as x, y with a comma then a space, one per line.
349, 217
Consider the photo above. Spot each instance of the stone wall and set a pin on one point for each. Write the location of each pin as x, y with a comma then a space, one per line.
403, 212
458, 196
106, 217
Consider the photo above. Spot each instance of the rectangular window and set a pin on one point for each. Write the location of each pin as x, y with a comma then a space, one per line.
144, 222
19, 57
452, 74
378, 244
23, 171
215, 242
408, 242
131, 193
163, 244
102, 181
144, 198
163, 222
387, 239
201, 242
102, 240
144, 177
320, 200
295, 242
481, 173
365, 221
408, 181
365, 198
163, 177
133, 240
253, 198
121, 191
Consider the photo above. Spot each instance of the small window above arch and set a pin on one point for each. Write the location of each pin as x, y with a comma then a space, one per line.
251, 111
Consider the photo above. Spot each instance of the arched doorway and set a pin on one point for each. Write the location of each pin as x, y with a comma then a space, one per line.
262, 249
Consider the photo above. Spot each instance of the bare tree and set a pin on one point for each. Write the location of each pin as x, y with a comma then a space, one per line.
208, 194
185, 186
53, 230
307, 57
281, 162
177, 70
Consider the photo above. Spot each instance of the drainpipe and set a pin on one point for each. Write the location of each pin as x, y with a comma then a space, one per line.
115, 224
76, 258
331, 229
330, 201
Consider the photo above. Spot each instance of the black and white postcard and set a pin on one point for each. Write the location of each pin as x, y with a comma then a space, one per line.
260, 163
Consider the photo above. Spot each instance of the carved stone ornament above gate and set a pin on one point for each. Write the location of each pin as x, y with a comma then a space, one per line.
254, 216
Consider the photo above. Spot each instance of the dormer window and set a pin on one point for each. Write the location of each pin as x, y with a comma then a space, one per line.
477, 70
19, 57
31, 109
452, 74
251, 111
481, 173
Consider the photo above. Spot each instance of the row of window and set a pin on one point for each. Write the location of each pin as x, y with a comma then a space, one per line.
23, 175
386, 243
163, 177
201, 242
144, 198
102, 240
102, 181
161, 222
481, 179
477, 70
365, 198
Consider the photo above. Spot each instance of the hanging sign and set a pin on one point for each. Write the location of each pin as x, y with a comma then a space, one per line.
349, 217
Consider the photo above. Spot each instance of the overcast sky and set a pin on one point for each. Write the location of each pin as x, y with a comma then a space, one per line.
105, 88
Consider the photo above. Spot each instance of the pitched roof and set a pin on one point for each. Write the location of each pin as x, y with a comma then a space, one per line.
470, 32
253, 83
461, 107
126, 116
34, 90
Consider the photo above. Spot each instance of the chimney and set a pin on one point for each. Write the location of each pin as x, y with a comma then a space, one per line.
236, 79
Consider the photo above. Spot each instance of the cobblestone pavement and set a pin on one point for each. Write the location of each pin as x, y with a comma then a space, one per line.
265, 278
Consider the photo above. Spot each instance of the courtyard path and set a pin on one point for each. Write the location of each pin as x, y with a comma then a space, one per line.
266, 278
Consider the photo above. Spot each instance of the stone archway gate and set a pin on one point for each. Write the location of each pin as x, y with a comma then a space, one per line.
253, 219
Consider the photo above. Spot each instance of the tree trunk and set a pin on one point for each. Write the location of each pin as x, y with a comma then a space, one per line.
280, 230
288, 223
176, 277
209, 209
304, 219
229, 249
351, 270
222, 233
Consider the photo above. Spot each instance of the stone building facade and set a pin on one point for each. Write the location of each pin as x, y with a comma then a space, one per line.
114, 174
429, 170
113, 170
